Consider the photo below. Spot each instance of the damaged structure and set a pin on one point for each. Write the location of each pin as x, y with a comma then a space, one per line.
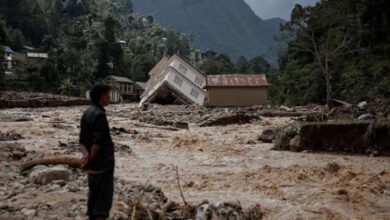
175, 81
237, 90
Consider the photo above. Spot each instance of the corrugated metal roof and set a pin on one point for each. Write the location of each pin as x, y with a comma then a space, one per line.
237, 80
120, 78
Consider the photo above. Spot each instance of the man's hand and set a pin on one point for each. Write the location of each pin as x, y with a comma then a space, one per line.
85, 159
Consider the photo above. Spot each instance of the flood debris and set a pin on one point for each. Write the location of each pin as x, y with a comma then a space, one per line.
227, 210
119, 131
72, 161
217, 164
230, 119
10, 136
44, 175
12, 152
12, 99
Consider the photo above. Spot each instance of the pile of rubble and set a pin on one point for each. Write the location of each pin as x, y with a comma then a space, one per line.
10, 136
180, 115
37, 100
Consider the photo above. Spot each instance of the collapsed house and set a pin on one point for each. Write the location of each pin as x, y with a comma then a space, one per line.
175, 81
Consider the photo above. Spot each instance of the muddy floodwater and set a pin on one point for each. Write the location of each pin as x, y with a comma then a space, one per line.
219, 164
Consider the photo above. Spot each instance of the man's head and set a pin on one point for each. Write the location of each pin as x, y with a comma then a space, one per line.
100, 94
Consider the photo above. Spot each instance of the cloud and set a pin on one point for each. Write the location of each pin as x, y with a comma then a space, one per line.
276, 8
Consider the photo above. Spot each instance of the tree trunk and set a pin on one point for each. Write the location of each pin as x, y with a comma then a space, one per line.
66, 160
328, 85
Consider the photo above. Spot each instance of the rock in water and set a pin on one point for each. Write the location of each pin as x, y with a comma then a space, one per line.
44, 175
268, 135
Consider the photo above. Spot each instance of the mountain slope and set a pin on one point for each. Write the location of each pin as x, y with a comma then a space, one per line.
228, 26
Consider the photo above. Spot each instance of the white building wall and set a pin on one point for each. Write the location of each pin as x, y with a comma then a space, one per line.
189, 72
192, 92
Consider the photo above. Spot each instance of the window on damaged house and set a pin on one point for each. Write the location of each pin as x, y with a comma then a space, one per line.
199, 81
182, 69
194, 93
178, 81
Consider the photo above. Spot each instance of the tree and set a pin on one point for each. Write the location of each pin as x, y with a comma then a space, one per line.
67, 87
242, 65
259, 65
110, 27
103, 59
2, 74
217, 64
323, 39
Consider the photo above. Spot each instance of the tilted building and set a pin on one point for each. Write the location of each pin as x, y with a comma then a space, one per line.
175, 81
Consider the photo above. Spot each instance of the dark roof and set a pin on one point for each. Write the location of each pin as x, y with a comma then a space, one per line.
120, 78
237, 80
8, 49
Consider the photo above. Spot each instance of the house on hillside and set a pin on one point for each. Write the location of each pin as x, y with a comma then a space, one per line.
8, 57
123, 85
175, 81
237, 90
35, 58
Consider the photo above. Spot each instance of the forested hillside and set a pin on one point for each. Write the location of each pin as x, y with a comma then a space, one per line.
227, 26
82, 39
341, 50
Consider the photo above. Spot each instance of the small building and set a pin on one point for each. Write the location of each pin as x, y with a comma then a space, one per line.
8, 59
122, 43
175, 81
123, 85
115, 97
237, 90
34, 58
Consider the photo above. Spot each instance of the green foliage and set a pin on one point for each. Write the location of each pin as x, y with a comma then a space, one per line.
88, 40
344, 41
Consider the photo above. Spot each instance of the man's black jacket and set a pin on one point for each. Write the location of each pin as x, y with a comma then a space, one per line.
95, 130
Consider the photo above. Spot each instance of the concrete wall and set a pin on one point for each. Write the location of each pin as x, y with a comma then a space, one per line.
236, 96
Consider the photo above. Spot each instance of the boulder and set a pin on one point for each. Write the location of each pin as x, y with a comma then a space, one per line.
268, 135
295, 143
44, 175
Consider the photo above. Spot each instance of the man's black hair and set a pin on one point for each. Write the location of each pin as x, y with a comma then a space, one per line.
97, 91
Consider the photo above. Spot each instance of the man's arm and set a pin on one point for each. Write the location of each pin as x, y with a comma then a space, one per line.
97, 139
94, 152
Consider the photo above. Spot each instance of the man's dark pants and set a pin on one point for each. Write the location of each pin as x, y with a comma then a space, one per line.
100, 195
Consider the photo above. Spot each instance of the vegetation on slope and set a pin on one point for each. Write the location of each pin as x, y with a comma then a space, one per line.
82, 38
340, 50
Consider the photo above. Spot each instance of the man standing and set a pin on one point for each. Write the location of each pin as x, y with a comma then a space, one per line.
98, 149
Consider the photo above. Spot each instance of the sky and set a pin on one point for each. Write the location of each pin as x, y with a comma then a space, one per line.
276, 8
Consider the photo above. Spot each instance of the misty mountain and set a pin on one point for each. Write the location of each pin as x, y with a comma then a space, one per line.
228, 26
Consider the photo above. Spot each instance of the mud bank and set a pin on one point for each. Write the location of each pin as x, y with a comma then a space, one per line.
352, 137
